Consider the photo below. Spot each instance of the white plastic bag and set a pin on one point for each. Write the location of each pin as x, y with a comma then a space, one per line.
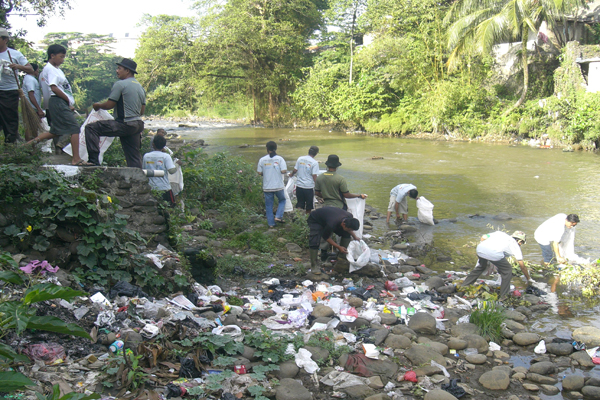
289, 193
358, 255
425, 214
356, 207
233, 331
540, 348
304, 360
105, 141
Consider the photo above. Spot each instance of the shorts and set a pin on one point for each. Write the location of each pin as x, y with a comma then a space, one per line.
63, 118
547, 252
402, 206
306, 198
169, 197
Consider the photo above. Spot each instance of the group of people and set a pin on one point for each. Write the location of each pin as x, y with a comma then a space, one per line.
127, 98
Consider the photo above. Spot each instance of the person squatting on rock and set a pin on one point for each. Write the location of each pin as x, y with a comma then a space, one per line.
158, 160
550, 233
128, 98
333, 188
271, 167
9, 90
496, 248
60, 102
325, 221
307, 169
399, 201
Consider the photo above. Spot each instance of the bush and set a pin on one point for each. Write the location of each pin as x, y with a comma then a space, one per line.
489, 317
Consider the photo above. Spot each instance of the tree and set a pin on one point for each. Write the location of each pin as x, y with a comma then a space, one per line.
480, 24
41, 8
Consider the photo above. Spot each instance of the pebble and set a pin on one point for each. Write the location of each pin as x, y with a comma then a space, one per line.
549, 389
495, 380
525, 338
476, 358
531, 387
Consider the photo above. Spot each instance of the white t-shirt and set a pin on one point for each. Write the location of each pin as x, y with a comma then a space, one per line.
307, 167
158, 161
30, 84
401, 191
498, 246
54, 76
551, 230
7, 77
271, 169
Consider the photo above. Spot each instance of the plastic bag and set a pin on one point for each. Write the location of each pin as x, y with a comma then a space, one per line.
234, 331
47, 352
356, 207
288, 192
404, 282
410, 376
425, 214
540, 348
304, 360
348, 314
358, 255
391, 286
105, 141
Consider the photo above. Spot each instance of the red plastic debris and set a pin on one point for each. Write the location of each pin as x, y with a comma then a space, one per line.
410, 376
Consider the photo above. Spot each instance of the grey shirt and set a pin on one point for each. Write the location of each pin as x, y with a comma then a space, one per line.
130, 97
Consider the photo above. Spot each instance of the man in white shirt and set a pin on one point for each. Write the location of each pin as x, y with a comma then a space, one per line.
549, 234
158, 160
399, 201
496, 248
307, 169
11, 60
271, 167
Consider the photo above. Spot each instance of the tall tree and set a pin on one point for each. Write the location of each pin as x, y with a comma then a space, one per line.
478, 25
40, 8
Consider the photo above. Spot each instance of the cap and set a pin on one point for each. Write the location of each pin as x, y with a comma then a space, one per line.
520, 235
129, 64
333, 161
4, 32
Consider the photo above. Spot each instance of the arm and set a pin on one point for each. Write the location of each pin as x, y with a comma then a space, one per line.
556, 250
59, 93
315, 178
524, 270
337, 246
293, 172
107, 105
27, 68
33, 101
172, 170
143, 111
353, 196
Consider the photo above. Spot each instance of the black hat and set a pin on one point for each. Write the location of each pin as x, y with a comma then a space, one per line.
129, 64
333, 161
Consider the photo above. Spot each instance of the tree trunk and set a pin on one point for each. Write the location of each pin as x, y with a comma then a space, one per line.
525, 67
352, 42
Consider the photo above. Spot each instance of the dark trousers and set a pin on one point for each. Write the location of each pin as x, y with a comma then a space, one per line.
169, 197
504, 268
9, 115
129, 132
305, 198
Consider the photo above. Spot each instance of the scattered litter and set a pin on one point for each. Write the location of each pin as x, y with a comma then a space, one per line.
540, 348
410, 376
49, 353
304, 360
233, 331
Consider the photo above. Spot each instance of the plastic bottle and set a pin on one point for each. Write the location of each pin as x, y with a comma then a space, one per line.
116, 347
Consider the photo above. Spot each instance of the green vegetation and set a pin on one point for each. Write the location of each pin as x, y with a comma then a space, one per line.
489, 317
585, 278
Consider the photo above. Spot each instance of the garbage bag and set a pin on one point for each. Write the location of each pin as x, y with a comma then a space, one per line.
289, 194
123, 288
410, 376
188, 369
356, 207
425, 214
233, 331
105, 141
358, 255
454, 389
175, 391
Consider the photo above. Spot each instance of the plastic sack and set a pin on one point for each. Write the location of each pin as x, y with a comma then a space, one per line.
425, 214
356, 207
404, 282
176, 180
391, 286
410, 376
105, 141
234, 331
494, 346
304, 360
358, 255
348, 314
540, 348
288, 192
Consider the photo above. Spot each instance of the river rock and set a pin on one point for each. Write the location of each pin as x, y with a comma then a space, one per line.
388, 319
593, 381
514, 326
379, 396
592, 392
587, 334
293, 248
379, 336
548, 380
524, 310
404, 330
434, 282
408, 228
583, 358
358, 391
573, 382
507, 333
287, 369
406, 268
424, 270
439, 347
531, 387
549, 389
355, 302
476, 358
457, 344
322, 311
515, 315
422, 322
477, 342
290, 389
398, 342
438, 394
526, 338
420, 354
559, 349
375, 382
495, 380
464, 329
400, 246
543, 368
357, 323
317, 353
502, 217
519, 375
449, 289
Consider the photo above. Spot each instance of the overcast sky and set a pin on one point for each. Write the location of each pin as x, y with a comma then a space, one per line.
101, 17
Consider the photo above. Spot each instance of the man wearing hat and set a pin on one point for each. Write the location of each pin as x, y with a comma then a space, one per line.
128, 98
495, 249
307, 169
333, 187
11, 60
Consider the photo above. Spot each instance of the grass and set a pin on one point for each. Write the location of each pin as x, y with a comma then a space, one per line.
489, 317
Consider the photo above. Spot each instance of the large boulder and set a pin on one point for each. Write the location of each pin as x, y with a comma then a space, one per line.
526, 338
587, 334
573, 383
543, 368
422, 322
420, 354
495, 379
464, 329
290, 389
476, 342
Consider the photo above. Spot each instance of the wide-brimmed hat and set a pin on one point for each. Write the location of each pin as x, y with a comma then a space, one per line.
129, 64
520, 235
333, 161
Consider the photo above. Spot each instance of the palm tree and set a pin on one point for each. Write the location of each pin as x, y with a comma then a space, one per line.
478, 25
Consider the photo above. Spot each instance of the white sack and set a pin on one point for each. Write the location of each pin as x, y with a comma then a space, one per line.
358, 255
100, 115
356, 207
425, 214
289, 194
304, 360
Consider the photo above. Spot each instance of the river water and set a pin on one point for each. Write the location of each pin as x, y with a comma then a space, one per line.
461, 179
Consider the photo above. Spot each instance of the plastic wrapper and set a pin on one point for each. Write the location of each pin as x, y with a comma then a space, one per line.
348, 314
494, 346
391, 286
425, 213
304, 360
105, 319
442, 368
49, 353
540, 348
356, 207
232, 331
404, 282
341, 380
410, 376
358, 255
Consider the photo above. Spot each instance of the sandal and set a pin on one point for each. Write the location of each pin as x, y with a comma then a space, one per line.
83, 163
279, 220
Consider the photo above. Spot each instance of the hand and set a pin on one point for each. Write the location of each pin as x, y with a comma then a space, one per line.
561, 260
531, 280
96, 106
363, 196
179, 162
343, 249
71, 108
14, 66
41, 114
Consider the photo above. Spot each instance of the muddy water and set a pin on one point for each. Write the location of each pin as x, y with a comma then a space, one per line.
460, 179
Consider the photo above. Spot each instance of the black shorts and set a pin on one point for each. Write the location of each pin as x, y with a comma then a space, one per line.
306, 198
169, 197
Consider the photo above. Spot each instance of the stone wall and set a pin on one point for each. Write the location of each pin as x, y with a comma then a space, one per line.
130, 189
568, 79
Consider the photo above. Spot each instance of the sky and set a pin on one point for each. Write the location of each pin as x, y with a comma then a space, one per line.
108, 16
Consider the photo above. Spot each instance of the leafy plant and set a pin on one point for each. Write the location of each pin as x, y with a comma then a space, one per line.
585, 278
326, 340
489, 317
269, 345
55, 395
125, 372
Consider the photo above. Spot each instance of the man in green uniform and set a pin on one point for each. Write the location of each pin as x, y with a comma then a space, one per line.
332, 187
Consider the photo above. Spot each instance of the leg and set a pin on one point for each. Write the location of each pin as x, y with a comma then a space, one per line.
309, 196
269, 200
390, 208
505, 270
300, 196
476, 273
131, 147
75, 147
281, 204
403, 208
314, 238
9, 115
93, 132
42, 136
547, 253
